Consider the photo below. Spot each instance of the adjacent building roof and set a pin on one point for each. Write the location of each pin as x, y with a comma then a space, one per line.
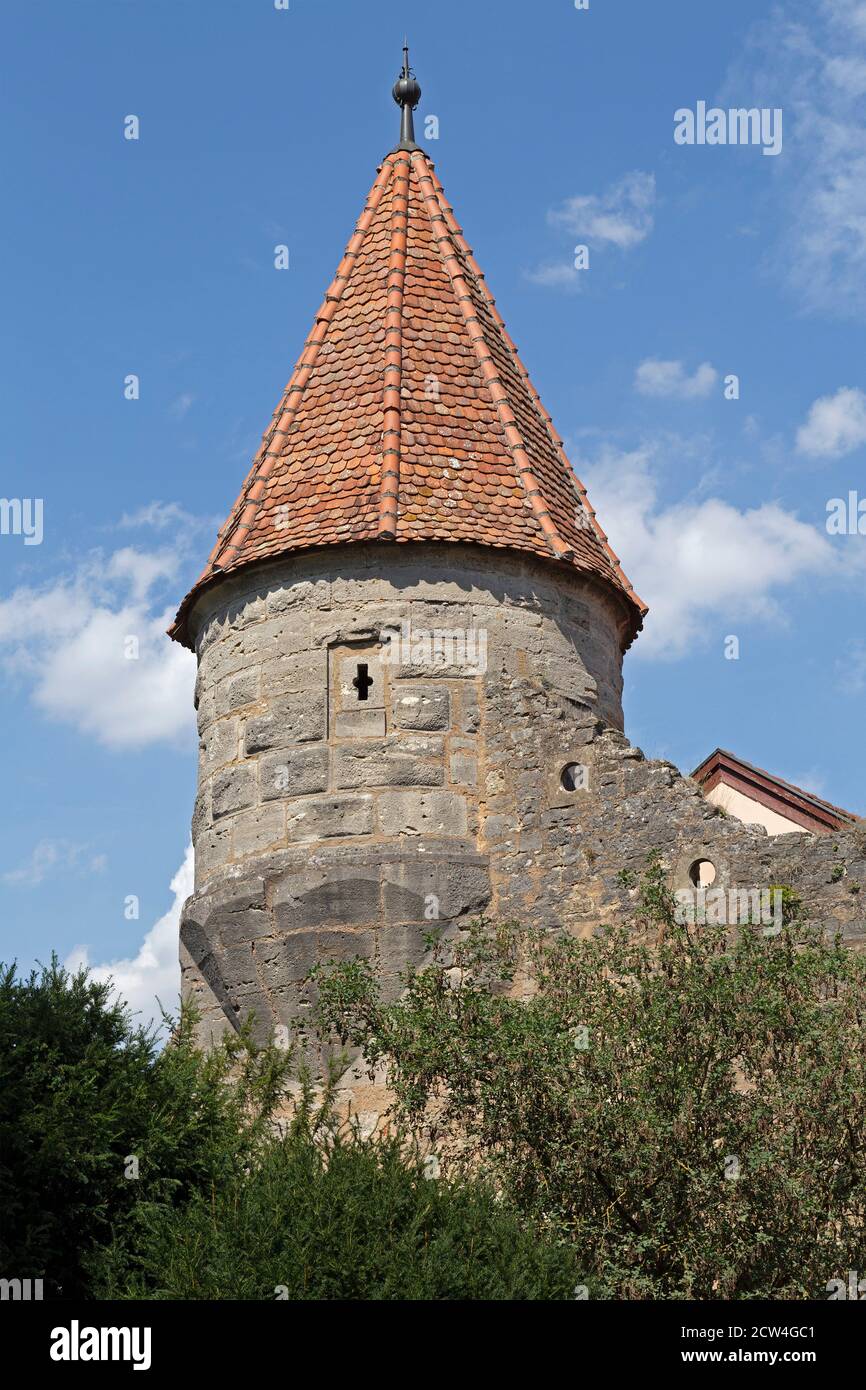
794, 804
410, 416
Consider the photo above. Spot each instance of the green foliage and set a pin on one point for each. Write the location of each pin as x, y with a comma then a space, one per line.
83, 1090
683, 1105
792, 903
347, 1219
222, 1207
661, 1111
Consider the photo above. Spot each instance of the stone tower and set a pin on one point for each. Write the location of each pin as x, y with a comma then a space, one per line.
409, 638
410, 537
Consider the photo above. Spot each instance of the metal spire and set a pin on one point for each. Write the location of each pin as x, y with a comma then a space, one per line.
407, 94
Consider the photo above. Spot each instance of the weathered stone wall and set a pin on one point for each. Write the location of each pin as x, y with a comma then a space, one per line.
575, 859
327, 826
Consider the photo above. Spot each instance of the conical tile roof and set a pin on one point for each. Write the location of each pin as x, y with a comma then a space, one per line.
409, 416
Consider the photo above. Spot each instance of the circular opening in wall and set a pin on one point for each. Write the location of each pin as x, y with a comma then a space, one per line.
574, 777
702, 873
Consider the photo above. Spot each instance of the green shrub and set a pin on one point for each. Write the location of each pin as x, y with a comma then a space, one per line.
82, 1092
347, 1220
221, 1207
684, 1105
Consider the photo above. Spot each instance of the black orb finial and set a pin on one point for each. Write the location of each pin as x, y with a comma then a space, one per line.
407, 94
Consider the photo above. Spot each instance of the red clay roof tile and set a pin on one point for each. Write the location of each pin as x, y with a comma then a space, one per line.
409, 415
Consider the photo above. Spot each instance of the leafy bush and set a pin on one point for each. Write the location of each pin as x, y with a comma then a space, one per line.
221, 1206
684, 1105
344, 1220
82, 1092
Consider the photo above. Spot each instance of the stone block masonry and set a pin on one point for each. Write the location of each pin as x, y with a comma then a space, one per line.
409, 731
284, 716
350, 799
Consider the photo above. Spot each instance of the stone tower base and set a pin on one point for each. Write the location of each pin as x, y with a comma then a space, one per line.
330, 826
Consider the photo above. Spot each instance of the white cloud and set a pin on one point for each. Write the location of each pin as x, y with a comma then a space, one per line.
555, 275
151, 977
50, 857
159, 515
810, 59
836, 425
812, 780
93, 651
847, 73
181, 405
142, 569
700, 564
851, 669
657, 378
622, 216
851, 14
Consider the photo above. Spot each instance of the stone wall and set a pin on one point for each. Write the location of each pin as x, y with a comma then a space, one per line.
343, 783
331, 826
575, 858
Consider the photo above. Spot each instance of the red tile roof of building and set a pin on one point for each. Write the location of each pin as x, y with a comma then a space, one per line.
409, 416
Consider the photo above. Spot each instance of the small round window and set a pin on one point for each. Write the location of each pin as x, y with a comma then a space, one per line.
702, 873
574, 777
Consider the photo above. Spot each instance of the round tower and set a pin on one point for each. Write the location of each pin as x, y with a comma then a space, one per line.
411, 572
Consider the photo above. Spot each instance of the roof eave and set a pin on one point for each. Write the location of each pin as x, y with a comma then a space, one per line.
633, 610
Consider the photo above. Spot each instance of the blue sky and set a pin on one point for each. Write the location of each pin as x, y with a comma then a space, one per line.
155, 257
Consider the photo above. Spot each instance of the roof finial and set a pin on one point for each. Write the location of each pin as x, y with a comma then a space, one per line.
407, 94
